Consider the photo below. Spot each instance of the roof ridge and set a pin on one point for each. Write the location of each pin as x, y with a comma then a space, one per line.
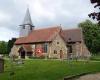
54, 35
72, 29
48, 28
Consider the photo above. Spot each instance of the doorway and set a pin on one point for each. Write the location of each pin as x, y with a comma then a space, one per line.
61, 54
22, 53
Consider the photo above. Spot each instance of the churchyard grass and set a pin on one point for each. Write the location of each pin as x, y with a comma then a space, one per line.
95, 58
40, 69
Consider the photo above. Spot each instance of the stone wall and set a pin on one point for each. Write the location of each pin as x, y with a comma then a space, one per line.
14, 50
85, 51
79, 50
55, 47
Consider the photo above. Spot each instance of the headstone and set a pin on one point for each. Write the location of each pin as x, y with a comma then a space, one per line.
20, 61
1, 65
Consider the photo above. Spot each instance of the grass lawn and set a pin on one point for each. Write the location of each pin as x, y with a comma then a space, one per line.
96, 58
47, 69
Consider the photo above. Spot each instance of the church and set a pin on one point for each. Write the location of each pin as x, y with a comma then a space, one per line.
53, 42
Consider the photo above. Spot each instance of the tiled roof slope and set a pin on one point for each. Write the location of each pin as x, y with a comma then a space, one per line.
40, 35
72, 35
27, 48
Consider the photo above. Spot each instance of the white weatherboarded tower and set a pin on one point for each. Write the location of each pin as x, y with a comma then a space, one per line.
27, 25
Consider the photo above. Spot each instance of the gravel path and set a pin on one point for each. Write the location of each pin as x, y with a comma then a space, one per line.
90, 77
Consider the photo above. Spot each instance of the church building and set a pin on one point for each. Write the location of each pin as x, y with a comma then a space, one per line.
53, 42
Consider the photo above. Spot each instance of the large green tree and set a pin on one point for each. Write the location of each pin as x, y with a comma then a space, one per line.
3, 47
91, 34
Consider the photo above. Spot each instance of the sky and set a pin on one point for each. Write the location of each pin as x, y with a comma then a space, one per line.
44, 13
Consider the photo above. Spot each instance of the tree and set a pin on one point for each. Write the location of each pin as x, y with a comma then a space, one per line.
95, 15
10, 44
91, 33
3, 47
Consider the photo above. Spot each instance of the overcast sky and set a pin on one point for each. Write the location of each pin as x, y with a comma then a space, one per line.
44, 13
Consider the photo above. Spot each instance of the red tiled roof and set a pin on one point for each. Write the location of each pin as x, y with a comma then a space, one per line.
72, 35
27, 48
40, 35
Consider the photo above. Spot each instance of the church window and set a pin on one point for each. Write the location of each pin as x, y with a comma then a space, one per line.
57, 42
70, 48
45, 48
55, 52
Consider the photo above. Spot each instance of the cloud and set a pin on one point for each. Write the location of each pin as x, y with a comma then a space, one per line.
7, 34
44, 13
4, 18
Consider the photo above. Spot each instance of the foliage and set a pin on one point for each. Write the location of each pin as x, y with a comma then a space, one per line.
10, 44
95, 15
91, 34
33, 57
3, 47
48, 69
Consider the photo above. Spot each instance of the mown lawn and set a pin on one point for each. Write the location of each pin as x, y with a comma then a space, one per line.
47, 69
96, 58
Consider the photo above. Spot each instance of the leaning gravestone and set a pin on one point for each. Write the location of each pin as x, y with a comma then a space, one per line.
1, 65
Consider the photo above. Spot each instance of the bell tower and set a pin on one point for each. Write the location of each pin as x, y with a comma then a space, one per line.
27, 25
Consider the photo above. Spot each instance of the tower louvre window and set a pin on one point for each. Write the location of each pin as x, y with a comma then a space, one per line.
30, 28
23, 27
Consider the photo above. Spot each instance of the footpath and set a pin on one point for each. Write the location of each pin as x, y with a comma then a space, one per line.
90, 77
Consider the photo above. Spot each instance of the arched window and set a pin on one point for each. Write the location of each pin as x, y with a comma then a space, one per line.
55, 52
57, 42
45, 47
23, 27
69, 48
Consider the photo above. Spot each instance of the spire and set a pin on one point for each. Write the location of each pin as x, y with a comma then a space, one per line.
27, 19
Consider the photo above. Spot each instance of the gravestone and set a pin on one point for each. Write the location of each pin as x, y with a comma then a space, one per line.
1, 65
